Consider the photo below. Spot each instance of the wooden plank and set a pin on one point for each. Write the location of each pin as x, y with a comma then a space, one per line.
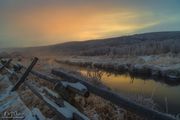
115, 98
76, 88
11, 105
11, 72
55, 96
64, 112
62, 83
37, 114
24, 76
5, 65
76, 115
17, 67
45, 77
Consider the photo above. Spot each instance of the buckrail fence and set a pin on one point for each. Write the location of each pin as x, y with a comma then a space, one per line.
66, 85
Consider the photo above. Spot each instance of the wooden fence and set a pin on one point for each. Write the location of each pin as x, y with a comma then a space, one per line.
67, 86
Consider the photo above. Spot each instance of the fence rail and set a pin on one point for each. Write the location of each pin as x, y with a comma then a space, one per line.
70, 83
115, 98
63, 109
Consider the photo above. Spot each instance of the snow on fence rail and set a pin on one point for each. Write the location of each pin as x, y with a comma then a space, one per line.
77, 85
61, 107
115, 98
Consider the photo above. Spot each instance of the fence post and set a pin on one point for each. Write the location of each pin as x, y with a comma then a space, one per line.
24, 76
5, 65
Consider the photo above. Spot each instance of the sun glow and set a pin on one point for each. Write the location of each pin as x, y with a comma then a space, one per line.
44, 22
57, 24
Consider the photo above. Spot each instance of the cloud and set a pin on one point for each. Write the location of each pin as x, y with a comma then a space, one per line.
54, 24
42, 22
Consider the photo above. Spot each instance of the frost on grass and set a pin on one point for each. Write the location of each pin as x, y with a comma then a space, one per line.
94, 107
10, 102
163, 65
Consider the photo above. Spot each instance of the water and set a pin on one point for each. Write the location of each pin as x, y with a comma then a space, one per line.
159, 91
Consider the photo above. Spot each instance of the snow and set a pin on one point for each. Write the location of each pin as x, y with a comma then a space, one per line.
51, 92
10, 102
37, 114
166, 65
73, 109
67, 110
76, 85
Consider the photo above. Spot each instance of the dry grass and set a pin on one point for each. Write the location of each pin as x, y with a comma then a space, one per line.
98, 108
94, 107
162, 59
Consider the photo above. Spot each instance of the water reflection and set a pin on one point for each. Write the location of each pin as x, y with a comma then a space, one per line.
163, 92
156, 89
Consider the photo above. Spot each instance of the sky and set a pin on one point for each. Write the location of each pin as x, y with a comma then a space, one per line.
43, 22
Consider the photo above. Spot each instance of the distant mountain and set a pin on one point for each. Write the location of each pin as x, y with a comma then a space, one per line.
138, 44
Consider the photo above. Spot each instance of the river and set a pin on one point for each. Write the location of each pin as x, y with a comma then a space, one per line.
166, 96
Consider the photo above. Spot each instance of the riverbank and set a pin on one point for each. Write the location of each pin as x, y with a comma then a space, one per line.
94, 107
166, 66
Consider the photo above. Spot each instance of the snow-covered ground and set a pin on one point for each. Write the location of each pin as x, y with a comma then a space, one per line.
11, 105
165, 65
95, 107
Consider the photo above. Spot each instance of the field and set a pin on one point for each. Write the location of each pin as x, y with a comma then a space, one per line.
151, 55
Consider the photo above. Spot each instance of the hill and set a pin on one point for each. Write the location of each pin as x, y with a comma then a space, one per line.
138, 44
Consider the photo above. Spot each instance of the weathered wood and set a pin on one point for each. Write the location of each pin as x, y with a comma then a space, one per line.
5, 65
115, 98
45, 77
11, 72
76, 88
64, 93
55, 96
3, 61
11, 105
68, 112
37, 114
65, 112
61, 83
108, 95
17, 67
77, 117
52, 105
24, 76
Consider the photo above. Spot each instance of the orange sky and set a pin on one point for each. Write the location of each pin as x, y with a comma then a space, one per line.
29, 24
78, 24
